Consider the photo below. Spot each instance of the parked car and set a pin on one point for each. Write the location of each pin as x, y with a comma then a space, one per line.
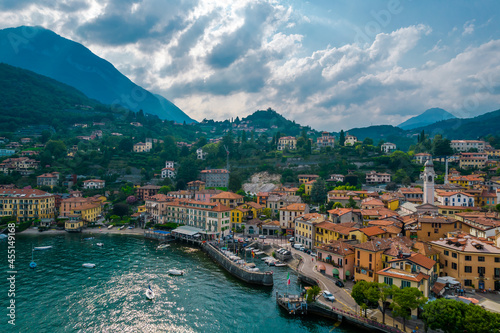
328, 296
247, 240
339, 283
241, 240
313, 254
291, 240
262, 236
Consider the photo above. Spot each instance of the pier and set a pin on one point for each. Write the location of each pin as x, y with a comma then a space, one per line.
296, 305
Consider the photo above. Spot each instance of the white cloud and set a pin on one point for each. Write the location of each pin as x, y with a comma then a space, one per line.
468, 28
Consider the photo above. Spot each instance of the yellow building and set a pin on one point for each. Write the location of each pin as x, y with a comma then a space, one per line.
471, 261
308, 187
238, 216
228, 199
289, 142
305, 227
326, 232
73, 224
368, 259
141, 209
307, 178
27, 204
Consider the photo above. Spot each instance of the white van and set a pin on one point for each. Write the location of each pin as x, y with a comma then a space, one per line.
298, 246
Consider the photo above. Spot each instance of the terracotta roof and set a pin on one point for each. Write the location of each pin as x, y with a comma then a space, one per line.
392, 229
373, 202
372, 231
254, 205
374, 245
227, 195
340, 211
422, 260
467, 243
438, 287
424, 249
337, 247
295, 207
404, 275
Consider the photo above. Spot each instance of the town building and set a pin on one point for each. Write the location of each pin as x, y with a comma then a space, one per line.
412, 194
147, 191
473, 262
200, 154
24, 165
195, 185
421, 158
288, 215
307, 178
327, 231
337, 258
168, 173
276, 202
350, 140
213, 218
368, 259
48, 179
468, 145
228, 199
287, 142
466, 181
336, 178
27, 204
169, 164
94, 184
88, 209
305, 228
205, 194
388, 147
215, 177
429, 227
454, 198
325, 140
472, 160
374, 177
6, 152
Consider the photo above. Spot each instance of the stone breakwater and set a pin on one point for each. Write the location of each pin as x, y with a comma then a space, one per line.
258, 278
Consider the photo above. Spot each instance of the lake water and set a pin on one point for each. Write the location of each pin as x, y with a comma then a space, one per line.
62, 296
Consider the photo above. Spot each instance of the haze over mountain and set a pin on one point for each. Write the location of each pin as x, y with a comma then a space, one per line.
46, 53
428, 117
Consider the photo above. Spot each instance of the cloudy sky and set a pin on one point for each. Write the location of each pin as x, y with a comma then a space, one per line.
330, 64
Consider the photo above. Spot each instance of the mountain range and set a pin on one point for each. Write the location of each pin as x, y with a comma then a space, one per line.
44, 52
429, 117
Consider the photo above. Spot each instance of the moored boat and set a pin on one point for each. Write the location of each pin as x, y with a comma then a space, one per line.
88, 265
280, 264
150, 294
100, 244
111, 226
162, 246
39, 248
175, 272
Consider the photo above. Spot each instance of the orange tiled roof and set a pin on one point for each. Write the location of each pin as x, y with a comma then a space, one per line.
372, 231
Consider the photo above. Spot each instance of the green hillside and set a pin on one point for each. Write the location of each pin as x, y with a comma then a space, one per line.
28, 98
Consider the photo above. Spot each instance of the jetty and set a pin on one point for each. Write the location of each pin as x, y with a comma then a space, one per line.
241, 272
296, 305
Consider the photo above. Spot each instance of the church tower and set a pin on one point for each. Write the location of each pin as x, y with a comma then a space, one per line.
428, 176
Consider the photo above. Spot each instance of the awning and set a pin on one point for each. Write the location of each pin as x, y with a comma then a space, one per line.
321, 267
347, 273
335, 271
186, 230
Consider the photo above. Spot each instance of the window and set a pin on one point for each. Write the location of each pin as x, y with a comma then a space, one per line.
468, 269
371, 256
497, 259
358, 255
468, 258
428, 234
454, 265
388, 280
480, 258
370, 274
468, 283
446, 263
405, 284
454, 254
446, 253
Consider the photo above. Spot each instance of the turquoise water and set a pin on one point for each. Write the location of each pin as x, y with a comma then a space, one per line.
62, 296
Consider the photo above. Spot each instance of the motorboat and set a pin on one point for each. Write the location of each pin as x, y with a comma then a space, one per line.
88, 265
150, 294
258, 253
32, 263
279, 264
266, 258
89, 238
250, 265
100, 244
122, 227
130, 227
249, 249
175, 272
162, 246
39, 248
111, 226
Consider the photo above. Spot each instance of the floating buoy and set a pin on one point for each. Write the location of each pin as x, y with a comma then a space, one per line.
33, 264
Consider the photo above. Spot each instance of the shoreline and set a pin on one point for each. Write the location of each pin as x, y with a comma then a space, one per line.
94, 231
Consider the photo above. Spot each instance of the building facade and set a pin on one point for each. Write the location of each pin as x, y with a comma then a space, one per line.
215, 177
27, 204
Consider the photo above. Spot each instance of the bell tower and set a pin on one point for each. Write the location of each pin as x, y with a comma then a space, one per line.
428, 176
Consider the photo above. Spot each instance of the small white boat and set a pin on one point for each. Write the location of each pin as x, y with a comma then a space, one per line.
266, 258
250, 265
42, 248
122, 227
111, 226
150, 294
89, 238
162, 246
258, 253
88, 265
100, 244
280, 264
249, 249
175, 272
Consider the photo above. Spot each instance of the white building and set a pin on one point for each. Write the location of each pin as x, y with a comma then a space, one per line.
421, 158
467, 145
93, 184
350, 140
388, 147
455, 199
168, 173
377, 177
200, 154
169, 164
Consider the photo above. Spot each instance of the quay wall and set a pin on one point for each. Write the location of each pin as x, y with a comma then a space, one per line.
259, 278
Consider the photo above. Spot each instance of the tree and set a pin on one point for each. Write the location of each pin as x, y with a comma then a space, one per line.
405, 300
366, 294
337, 205
45, 136
368, 141
126, 145
386, 292
56, 148
120, 209
319, 191
351, 203
441, 147
312, 293
341, 138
